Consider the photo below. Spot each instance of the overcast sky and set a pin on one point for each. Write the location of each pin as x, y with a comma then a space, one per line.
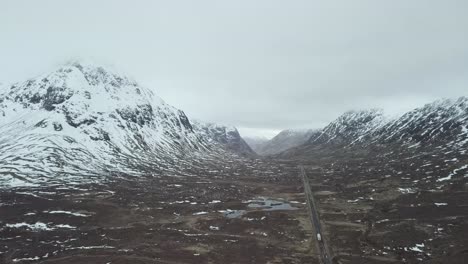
261, 66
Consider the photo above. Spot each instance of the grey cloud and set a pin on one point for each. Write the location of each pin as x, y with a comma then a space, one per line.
259, 65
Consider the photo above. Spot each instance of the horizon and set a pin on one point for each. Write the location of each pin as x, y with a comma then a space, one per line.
209, 131
260, 66
245, 132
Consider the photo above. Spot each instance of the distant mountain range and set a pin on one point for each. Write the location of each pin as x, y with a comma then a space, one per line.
441, 124
83, 121
286, 139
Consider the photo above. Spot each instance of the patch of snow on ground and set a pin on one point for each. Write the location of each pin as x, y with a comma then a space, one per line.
66, 212
406, 190
35, 227
39, 226
200, 213
26, 259
417, 248
453, 173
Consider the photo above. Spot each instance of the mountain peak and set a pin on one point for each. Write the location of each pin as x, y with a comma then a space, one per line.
355, 124
458, 105
362, 115
442, 123
97, 73
226, 135
445, 119
83, 115
81, 84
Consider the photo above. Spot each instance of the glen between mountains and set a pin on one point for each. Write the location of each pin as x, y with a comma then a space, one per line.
95, 168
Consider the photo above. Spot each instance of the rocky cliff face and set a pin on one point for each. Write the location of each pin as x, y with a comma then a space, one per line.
229, 137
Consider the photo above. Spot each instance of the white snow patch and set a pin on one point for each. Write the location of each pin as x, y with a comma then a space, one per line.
66, 212
26, 259
407, 190
418, 248
35, 227
200, 213
39, 226
453, 173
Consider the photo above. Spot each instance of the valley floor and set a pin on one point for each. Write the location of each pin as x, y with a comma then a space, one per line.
241, 212
399, 207
372, 210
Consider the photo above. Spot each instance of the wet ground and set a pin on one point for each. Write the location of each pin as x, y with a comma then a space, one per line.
395, 206
376, 207
241, 212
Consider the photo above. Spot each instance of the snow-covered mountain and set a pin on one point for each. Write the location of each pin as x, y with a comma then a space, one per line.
286, 139
228, 136
442, 124
350, 127
444, 120
88, 120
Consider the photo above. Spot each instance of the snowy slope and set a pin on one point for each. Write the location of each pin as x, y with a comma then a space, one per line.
444, 120
351, 127
286, 139
227, 136
441, 124
84, 119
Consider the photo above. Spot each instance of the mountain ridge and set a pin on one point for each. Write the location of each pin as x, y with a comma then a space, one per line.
443, 122
287, 139
85, 118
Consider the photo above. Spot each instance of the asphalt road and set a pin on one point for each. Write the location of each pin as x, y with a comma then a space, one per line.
324, 252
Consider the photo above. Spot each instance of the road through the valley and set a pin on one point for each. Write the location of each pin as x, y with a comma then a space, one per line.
324, 252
